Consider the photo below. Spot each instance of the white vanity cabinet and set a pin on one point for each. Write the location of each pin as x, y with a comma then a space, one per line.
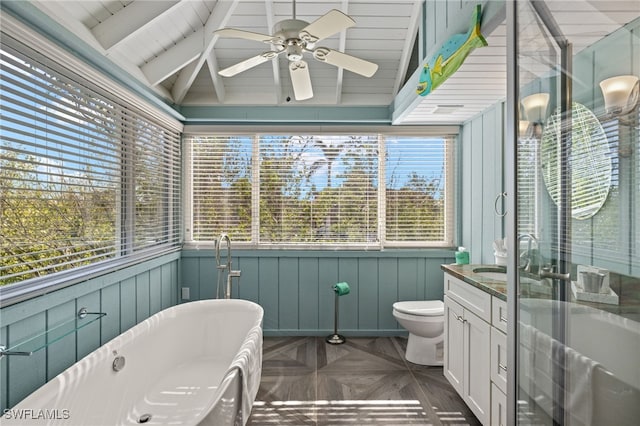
475, 356
467, 350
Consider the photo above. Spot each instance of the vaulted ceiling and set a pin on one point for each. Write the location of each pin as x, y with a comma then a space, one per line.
170, 46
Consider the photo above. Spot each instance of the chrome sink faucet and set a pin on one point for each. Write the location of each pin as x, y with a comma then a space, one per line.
528, 258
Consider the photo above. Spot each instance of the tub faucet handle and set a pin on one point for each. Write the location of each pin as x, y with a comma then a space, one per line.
548, 273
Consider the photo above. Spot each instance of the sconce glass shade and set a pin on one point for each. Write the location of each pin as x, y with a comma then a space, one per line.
523, 126
620, 93
535, 107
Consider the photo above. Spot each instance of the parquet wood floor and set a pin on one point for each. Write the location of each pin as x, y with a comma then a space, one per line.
365, 381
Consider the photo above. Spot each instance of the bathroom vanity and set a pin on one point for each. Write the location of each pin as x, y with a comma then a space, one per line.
475, 352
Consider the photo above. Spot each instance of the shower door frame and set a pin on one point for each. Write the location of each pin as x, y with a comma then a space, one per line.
562, 254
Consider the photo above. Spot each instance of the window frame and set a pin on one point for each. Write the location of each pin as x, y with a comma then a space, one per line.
450, 133
19, 38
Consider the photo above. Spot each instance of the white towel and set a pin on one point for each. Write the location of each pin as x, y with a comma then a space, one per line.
248, 361
580, 385
578, 374
542, 386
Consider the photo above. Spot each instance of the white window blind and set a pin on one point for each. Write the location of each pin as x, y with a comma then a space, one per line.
84, 177
419, 190
313, 190
602, 237
221, 169
156, 174
318, 189
529, 185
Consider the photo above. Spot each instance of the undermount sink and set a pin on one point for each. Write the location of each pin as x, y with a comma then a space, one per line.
494, 273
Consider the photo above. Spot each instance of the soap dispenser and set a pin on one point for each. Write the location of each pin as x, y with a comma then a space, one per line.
462, 256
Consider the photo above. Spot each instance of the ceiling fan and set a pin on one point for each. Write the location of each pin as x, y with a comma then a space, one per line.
295, 37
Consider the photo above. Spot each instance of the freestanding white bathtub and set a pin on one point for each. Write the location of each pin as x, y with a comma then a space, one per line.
198, 363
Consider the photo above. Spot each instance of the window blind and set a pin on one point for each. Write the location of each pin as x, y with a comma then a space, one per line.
156, 176
84, 177
318, 189
529, 185
607, 236
419, 190
314, 190
220, 176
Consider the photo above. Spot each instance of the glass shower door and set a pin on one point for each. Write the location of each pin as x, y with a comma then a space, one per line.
577, 335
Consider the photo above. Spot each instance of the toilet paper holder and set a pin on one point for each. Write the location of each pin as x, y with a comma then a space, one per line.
340, 289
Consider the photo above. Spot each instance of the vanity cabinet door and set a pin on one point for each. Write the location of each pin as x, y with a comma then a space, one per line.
454, 343
498, 407
499, 359
477, 366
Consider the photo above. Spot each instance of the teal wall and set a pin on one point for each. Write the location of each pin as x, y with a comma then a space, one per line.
481, 181
611, 239
128, 296
294, 287
482, 143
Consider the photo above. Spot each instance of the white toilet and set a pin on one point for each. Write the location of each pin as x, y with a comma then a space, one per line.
424, 320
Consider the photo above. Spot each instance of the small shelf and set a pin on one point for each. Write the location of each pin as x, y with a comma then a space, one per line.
53, 334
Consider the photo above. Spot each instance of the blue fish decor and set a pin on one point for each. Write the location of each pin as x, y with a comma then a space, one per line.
451, 55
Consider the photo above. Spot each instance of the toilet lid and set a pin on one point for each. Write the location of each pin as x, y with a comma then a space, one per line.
425, 308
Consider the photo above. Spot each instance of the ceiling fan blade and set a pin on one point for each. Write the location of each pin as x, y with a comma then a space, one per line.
300, 80
325, 26
247, 35
248, 63
348, 62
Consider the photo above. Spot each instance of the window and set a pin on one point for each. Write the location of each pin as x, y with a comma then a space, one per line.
221, 187
85, 176
419, 189
314, 190
318, 189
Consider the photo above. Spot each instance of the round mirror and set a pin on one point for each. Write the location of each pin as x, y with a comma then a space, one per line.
590, 161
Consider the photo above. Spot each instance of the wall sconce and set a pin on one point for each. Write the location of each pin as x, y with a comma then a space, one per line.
535, 107
620, 94
523, 127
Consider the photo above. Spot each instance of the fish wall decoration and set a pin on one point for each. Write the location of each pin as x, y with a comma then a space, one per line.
451, 55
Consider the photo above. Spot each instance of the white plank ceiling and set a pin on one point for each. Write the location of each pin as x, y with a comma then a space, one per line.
169, 46
481, 80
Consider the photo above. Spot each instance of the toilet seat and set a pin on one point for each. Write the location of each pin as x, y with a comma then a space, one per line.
423, 308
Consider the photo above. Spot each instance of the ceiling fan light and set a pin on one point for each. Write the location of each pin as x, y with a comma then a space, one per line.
294, 52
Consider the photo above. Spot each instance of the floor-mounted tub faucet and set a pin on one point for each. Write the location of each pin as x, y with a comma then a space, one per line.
221, 267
